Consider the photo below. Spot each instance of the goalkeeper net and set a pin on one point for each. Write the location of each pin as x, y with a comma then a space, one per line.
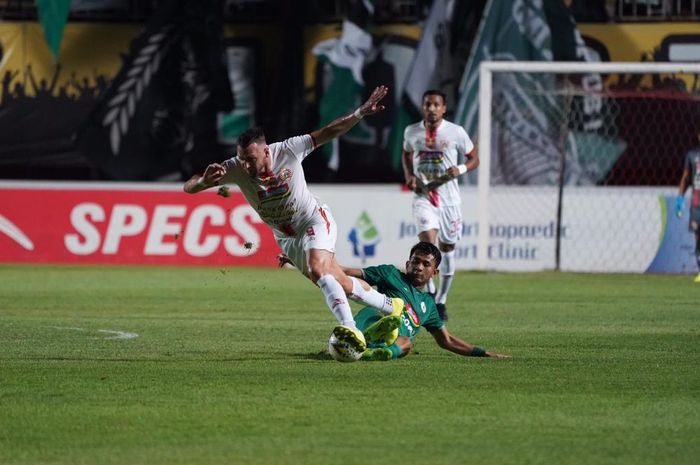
578, 162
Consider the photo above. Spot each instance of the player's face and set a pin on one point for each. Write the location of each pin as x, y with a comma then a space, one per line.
420, 268
433, 108
254, 157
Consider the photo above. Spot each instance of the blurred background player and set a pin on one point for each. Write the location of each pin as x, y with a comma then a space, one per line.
431, 152
691, 177
384, 342
272, 180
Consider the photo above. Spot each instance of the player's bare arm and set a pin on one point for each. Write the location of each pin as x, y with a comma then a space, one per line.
211, 177
683, 184
407, 163
454, 344
340, 126
471, 163
354, 272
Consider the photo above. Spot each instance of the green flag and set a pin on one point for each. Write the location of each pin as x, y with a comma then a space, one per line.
430, 69
53, 15
534, 116
344, 58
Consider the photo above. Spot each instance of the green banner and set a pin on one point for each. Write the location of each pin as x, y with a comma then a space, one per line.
538, 116
53, 15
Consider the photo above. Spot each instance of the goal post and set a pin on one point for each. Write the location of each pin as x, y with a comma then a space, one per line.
600, 142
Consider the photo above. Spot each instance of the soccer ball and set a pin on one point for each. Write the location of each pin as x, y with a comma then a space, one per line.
342, 351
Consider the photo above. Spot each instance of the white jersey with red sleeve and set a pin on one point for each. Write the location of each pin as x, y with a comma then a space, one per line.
281, 197
434, 151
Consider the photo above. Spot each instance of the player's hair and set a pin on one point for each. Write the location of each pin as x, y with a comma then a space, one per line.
426, 248
254, 134
435, 92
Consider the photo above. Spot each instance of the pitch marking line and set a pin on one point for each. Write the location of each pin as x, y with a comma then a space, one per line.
114, 333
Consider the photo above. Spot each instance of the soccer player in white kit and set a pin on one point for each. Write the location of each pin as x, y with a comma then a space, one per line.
432, 150
272, 180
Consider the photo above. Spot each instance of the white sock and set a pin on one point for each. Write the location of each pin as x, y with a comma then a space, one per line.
336, 300
431, 286
371, 298
447, 272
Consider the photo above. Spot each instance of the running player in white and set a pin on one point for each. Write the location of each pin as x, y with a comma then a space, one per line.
272, 180
435, 153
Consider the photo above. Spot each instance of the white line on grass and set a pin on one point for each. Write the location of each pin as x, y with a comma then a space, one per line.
115, 334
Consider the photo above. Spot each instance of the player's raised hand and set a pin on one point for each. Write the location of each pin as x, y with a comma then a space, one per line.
372, 106
283, 260
213, 174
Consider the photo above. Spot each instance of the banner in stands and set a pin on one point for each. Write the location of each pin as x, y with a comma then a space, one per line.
141, 113
662, 42
160, 224
42, 103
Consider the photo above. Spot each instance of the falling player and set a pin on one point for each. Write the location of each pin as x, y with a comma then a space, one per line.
272, 180
431, 152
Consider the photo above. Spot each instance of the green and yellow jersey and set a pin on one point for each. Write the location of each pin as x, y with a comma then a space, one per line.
420, 306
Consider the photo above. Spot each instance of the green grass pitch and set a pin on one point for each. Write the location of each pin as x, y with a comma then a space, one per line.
228, 368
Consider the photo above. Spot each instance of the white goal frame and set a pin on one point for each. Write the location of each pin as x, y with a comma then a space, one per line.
486, 71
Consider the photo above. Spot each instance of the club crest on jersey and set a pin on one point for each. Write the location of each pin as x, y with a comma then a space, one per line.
412, 315
274, 193
285, 174
430, 156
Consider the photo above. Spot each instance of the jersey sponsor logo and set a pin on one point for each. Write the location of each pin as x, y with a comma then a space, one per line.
274, 193
407, 323
432, 157
412, 315
11, 230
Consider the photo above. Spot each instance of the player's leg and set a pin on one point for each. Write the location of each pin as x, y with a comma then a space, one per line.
450, 233
320, 271
323, 236
427, 220
695, 228
697, 254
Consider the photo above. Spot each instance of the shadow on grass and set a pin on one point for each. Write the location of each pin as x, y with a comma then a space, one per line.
322, 355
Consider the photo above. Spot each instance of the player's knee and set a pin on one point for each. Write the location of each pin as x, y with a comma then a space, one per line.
317, 268
446, 248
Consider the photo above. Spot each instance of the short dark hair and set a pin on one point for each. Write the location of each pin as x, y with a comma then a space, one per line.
426, 248
435, 92
254, 134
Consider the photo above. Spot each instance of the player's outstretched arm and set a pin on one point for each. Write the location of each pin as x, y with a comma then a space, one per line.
454, 344
353, 272
340, 126
407, 164
211, 177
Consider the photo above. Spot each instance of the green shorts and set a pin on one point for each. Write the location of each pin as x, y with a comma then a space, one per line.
366, 317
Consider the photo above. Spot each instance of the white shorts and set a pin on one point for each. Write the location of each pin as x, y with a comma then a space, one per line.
447, 220
321, 233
